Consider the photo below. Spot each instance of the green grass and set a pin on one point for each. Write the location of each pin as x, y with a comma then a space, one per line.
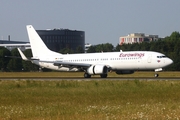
101, 99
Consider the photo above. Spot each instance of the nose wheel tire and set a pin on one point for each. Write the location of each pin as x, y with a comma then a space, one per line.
156, 75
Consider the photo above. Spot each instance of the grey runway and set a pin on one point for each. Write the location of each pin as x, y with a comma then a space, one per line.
93, 78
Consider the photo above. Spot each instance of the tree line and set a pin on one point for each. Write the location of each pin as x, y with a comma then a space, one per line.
170, 46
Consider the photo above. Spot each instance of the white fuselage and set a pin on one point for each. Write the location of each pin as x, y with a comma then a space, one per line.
133, 60
93, 63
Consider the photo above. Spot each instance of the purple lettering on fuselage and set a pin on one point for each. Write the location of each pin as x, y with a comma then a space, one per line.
131, 55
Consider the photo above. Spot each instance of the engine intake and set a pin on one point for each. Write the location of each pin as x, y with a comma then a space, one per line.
97, 69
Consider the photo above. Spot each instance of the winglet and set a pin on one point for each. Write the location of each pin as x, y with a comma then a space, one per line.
22, 55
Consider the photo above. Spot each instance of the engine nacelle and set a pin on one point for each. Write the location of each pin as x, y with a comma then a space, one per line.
97, 69
125, 72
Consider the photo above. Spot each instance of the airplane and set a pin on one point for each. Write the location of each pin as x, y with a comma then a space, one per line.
122, 62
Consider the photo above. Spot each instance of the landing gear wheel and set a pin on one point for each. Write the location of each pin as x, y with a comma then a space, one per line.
156, 75
103, 75
86, 75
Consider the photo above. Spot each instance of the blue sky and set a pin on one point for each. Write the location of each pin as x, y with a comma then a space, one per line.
103, 21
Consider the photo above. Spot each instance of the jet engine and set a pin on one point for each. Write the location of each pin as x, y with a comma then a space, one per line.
97, 69
125, 72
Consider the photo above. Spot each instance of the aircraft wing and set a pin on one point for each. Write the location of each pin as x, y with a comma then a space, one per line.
67, 64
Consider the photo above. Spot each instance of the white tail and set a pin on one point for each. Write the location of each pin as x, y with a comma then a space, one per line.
39, 49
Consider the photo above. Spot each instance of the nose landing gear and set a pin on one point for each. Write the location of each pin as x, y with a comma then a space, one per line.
157, 70
156, 75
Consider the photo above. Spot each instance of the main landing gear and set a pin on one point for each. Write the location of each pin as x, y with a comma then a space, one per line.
103, 75
86, 75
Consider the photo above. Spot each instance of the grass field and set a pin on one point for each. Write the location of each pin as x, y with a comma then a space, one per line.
88, 100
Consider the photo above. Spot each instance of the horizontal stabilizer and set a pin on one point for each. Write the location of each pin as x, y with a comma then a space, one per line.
22, 55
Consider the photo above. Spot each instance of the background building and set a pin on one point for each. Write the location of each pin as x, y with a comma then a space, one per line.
137, 38
58, 39
14, 44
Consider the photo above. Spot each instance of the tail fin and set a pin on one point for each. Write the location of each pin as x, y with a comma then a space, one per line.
39, 49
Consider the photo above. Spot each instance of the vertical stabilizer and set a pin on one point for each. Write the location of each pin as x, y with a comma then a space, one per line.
39, 49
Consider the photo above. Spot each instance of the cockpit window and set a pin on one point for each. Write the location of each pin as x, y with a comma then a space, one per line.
161, 56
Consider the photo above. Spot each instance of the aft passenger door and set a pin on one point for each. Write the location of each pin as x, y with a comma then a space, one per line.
149, 58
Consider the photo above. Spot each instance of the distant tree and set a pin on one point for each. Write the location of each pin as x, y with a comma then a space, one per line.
145, 46
79, 49
92, 49
107, 47
99, 48
15, 64
28, 65
175, 36
126, 47
135, 47
4, 60
176, 48
152, 46
117, 48
66, 51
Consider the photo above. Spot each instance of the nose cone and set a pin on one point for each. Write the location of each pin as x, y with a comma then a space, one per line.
169, 61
